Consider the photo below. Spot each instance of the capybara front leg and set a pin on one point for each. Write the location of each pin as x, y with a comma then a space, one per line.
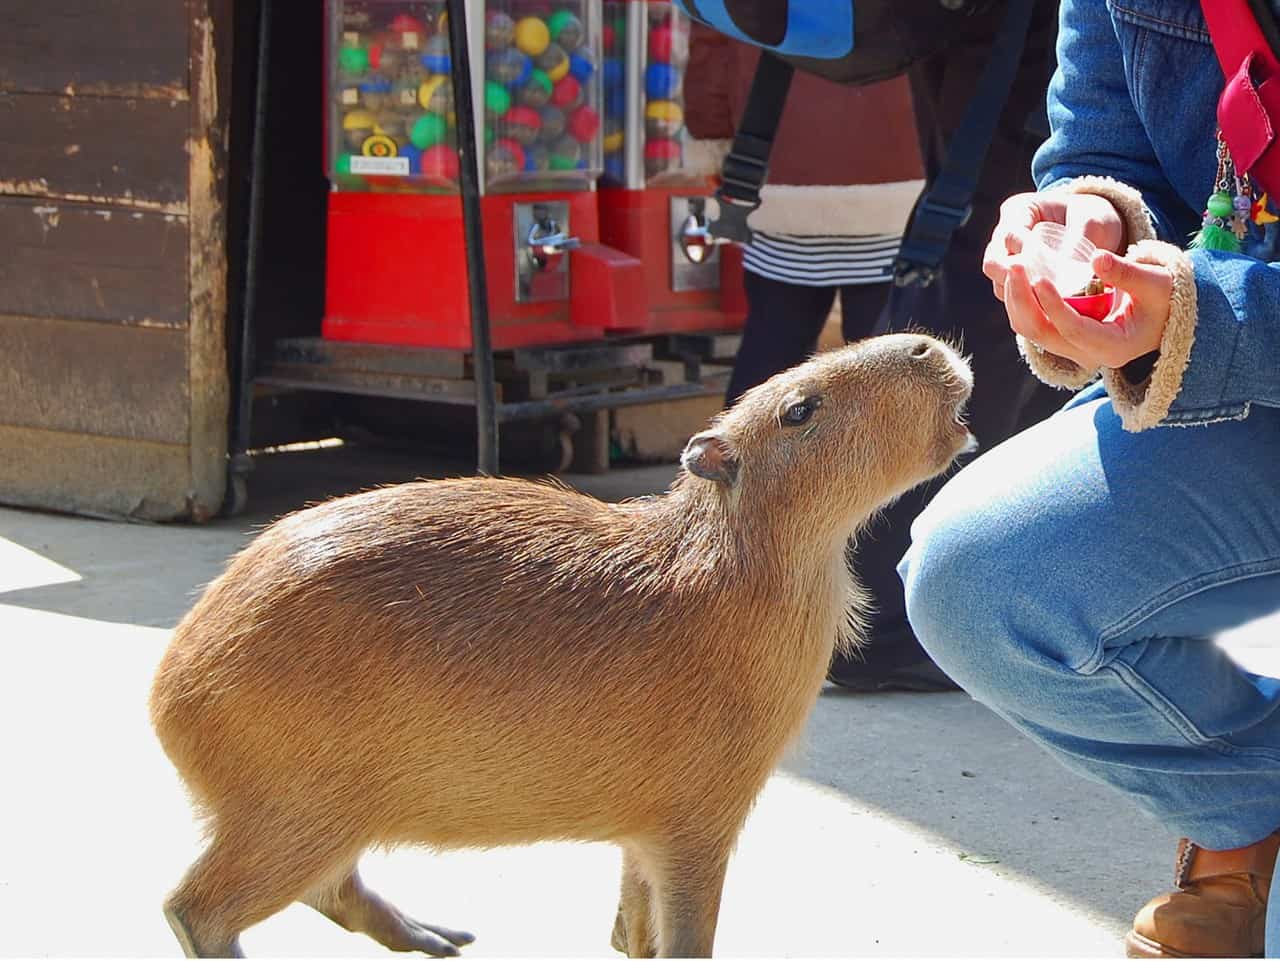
633, 926
688, 894
356, 908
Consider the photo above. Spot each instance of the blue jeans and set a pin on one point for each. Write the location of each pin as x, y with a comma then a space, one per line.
1071, 579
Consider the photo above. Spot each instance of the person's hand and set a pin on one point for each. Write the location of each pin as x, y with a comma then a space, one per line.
1090, 214
1135, 326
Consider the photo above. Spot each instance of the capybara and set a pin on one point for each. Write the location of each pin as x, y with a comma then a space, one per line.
480, 662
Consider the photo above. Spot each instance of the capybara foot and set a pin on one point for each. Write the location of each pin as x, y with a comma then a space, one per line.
198, 947
356, 908
622, 943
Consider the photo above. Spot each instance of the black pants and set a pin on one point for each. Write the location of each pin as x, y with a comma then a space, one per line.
783, 320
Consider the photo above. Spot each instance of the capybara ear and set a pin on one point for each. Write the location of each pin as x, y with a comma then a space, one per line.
711, 456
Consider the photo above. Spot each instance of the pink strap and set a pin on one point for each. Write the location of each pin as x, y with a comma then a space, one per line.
1236, 34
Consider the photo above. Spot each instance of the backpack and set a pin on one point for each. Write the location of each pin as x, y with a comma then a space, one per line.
860, 43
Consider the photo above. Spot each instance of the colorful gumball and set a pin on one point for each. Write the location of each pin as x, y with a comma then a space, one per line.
567, 92
436, 94
353, 60
660, 44
428, 130
496, 99
412, 155
508, 67
614, 168
439, 161
499, 30
581, 65
566, 29
610, 38
583, 124
553, 124
501, 162
661, 81
614, 73
554, 61
660, 155
615, 102
536, 91
532, 36
537, 159
614, 139
565, 154
490, 135
356, 126
342, 165
521, 124
662, 119
436, 55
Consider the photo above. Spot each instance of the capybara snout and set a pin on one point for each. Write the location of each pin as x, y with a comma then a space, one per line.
481, 662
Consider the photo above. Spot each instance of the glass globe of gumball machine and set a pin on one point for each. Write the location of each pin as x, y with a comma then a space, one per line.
653, 196
397, 264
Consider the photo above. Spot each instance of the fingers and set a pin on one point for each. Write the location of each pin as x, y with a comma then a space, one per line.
1028, 318
1097, 219
1145, 282
1083, 337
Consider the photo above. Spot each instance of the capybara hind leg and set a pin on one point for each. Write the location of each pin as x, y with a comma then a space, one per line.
688, 896
633, 926
356, 908
238, 882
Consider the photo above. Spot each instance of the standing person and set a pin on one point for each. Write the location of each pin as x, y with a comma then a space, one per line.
1074, 577
832, 134
844, 174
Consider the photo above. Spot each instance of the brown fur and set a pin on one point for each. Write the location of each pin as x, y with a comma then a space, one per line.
472, 663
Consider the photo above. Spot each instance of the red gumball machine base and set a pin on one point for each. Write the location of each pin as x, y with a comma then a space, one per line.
397, 272
690, 286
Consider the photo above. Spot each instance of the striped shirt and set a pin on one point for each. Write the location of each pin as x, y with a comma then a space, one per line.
822, 261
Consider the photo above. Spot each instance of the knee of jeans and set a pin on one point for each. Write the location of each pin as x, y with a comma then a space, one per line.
954, 578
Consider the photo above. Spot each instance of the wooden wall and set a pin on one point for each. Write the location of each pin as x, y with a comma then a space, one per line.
113, 372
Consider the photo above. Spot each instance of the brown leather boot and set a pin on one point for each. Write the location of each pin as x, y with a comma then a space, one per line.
1219, 909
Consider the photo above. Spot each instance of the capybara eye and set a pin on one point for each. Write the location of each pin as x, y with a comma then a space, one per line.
800, 411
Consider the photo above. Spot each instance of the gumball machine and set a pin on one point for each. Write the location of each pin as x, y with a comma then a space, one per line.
653, 196
397, 263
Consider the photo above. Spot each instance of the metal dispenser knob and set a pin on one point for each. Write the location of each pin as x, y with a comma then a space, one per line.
546, 242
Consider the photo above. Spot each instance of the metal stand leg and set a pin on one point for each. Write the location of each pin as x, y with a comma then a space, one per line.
477, 279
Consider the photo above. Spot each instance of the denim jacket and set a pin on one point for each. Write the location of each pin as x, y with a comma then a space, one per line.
1132, 107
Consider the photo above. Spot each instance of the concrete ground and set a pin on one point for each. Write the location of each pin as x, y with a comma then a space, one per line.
903, 825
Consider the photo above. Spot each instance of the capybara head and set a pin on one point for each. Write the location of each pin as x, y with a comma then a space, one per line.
841, 434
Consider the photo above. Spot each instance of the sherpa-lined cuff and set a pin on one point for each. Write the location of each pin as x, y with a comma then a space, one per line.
1146, 404
1059, 371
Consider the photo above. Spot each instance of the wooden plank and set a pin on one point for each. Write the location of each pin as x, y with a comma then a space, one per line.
101, 150
92, 263
401, 385
93, 475
125, 48
210, 43
99, 379
372, 358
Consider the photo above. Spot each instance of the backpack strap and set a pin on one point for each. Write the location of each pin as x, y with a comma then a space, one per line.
747, 165
946, 205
